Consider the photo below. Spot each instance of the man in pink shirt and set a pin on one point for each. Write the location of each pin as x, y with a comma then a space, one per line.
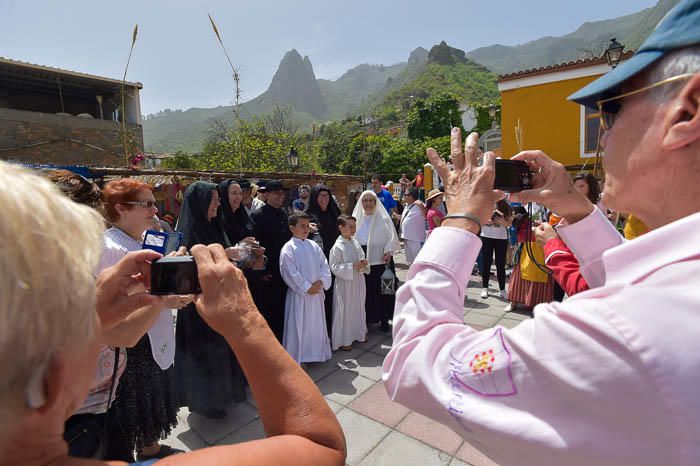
610, 376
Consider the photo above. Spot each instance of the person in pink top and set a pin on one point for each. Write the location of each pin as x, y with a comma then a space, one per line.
611, 375
433, 213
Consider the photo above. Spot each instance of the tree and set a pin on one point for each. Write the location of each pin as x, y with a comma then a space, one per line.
365, 154
180, 160
281, 120
218, 130
434, 117
484, 122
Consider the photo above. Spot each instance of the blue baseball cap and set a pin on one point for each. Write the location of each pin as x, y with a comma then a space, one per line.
679, 28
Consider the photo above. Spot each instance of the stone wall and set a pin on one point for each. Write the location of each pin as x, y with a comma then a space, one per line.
41, 138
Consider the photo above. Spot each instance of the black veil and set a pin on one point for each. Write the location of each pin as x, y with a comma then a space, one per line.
238, 224
193, 222
327, 221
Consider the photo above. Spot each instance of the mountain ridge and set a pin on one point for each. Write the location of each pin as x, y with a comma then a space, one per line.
367, 87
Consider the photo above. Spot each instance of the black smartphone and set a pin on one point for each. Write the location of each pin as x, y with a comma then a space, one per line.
512, 176
175, 275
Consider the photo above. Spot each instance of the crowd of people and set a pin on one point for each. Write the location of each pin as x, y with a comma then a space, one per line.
92, 367
317, 286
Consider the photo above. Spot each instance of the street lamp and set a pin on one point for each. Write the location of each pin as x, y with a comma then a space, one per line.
492, 114
293, 158
614, 53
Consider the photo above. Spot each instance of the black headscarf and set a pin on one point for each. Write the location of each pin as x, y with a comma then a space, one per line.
193, 222
327, 221
238, 224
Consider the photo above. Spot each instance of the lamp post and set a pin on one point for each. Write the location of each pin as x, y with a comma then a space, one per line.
492, 114
293, 158
614, 52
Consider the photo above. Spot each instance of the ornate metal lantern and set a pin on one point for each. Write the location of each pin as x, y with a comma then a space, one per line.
614, 52
388, 282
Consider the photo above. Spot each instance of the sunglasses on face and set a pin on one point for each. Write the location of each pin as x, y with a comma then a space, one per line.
609, 108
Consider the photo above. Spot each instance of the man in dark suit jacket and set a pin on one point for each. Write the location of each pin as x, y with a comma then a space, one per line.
272, 231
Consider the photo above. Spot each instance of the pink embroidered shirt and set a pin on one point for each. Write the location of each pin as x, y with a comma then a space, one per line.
608, 377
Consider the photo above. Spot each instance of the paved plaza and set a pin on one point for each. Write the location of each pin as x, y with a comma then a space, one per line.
378, 431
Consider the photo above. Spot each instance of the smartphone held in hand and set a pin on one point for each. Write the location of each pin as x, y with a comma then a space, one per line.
175, 275
512, 176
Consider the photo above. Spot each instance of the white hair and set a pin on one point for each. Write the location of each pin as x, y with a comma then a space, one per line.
49, 248
676, 63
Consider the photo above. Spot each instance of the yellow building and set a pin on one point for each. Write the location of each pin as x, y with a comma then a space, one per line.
565, 131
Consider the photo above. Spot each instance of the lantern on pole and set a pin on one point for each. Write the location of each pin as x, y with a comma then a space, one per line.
293, 158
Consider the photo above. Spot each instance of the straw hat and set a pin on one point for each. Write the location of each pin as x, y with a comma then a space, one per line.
433, 194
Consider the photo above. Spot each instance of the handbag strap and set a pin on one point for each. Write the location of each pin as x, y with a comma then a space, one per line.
112, 383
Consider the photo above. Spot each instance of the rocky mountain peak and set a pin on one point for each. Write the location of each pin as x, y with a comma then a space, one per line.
443, 54
295, 84
418, 57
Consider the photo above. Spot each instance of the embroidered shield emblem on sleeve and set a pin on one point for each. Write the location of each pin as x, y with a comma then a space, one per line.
485, 367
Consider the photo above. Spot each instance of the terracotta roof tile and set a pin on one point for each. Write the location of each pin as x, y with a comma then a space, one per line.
581, 63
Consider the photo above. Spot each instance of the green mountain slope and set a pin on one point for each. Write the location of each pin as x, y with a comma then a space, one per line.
376, 88
348, 92
294, 84
590, 39
447, 70
414, 66
178, 130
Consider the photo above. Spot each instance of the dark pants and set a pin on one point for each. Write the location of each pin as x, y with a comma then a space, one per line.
499, 247
558, 292
328, 305
118, 448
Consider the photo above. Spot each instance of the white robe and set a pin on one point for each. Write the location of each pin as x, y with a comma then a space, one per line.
348, 293
305, 336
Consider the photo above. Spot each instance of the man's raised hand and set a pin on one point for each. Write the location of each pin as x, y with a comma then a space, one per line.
469, 187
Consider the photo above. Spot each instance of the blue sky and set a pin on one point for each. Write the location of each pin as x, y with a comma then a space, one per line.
181, 66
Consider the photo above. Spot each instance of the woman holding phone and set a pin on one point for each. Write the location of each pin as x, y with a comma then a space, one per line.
146, 398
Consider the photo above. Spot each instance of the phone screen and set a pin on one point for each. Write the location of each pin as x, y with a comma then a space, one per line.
162, 242
511, 175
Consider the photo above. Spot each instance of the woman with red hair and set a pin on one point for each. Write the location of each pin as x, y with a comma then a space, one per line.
144, 401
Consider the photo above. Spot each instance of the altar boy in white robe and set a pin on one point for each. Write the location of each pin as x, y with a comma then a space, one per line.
348, 264
305, 271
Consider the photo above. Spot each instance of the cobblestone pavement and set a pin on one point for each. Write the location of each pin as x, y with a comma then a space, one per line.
378, 431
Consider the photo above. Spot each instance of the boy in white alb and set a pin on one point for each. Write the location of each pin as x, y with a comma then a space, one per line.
305, 271
348, 264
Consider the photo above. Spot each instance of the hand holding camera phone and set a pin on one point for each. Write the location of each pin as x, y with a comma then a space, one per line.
179, 275
512, 176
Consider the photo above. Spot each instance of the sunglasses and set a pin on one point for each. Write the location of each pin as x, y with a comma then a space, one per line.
144, 204
609, 108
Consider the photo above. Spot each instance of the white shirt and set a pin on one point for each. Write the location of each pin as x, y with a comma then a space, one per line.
413, 223
257, 204
362, 234
117, 244
494, 231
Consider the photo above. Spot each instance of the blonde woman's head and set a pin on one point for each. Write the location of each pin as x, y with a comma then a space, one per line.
49, 248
